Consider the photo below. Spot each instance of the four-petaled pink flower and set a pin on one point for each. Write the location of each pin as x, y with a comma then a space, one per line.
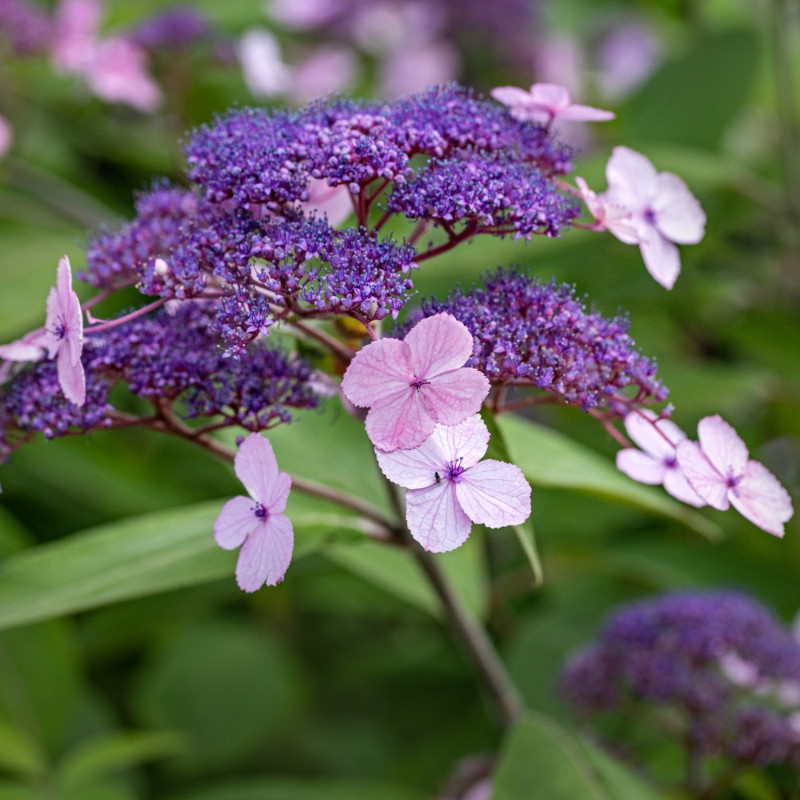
656, 462
258, 523
411, 385
64, 334
448, 489
663, 211
546, 102
720, 471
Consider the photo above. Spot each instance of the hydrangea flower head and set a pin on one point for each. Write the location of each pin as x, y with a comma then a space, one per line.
411, 385
720, 471
656, 462
449, 489
663, 211
545, 102
64, 334
257, 523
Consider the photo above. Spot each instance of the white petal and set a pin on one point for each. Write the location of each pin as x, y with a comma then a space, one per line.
266, 554
661, 257
632, 176
722, 446
414, 469
435, 519
761, 498
702, 476
256, 467
676, 484
640, 466
678, 214
658, 437
495, 494
467, 440
235, 522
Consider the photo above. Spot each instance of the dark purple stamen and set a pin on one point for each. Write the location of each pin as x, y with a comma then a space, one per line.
260, 511
60, 330
418, 384
650, 216
455, 470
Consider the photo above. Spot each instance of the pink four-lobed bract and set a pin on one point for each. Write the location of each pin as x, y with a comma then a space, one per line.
656, 462
63, 335
663, 212
257, 523
449, 490
545, 102
719, 469
411, 385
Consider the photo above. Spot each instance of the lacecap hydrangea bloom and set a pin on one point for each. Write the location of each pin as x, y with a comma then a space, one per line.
668, 660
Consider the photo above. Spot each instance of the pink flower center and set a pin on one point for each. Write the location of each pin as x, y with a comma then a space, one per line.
60, 330
419, 384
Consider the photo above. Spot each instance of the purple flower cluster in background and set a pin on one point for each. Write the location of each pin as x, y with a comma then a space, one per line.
176, 27
166, 358
713, 670
529, 333
24, 28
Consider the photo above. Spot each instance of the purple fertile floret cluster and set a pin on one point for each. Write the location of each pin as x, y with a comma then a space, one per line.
173, 28
667, 655
168, 358
538, 334
24, 27
496, 193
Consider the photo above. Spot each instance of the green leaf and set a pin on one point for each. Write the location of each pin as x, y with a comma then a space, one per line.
691, 100
96, 759
542, 758
19, 754
140, 556
304, 789
550, 459
396, 571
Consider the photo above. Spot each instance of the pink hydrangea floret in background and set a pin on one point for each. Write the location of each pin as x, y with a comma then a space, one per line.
545, 102
411, 385
448, 490
64, 334
257, 523
6, 136
656, 462
335, 202
720, 471
663, 211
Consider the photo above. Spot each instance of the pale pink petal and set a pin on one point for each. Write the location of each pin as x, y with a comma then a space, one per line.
511, 96
256, 467
661, 258
494, 494
414, 67
31, 347
277, 493
378, 370
453, 396
64, 283
722, 446
435, 518
6, 136
117, 73
659, 437
52, 322
326, 70
580, 113
263, 69
550, 96
678, 214
75, 34
701, 475
235, 522
417, 468
641, 466
438, 344
333, 201
761, 498
266, 554
632, 177
399, 422
676, 484
467, 441
71, 377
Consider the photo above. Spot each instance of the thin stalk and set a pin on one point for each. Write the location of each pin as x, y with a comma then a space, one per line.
473, 637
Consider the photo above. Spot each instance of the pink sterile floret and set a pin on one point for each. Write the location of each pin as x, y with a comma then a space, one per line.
663, 211
258, 523
608, 216
656, 462
719, 470
332, 201
411, 385
64, 334
448, 489
546, 102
